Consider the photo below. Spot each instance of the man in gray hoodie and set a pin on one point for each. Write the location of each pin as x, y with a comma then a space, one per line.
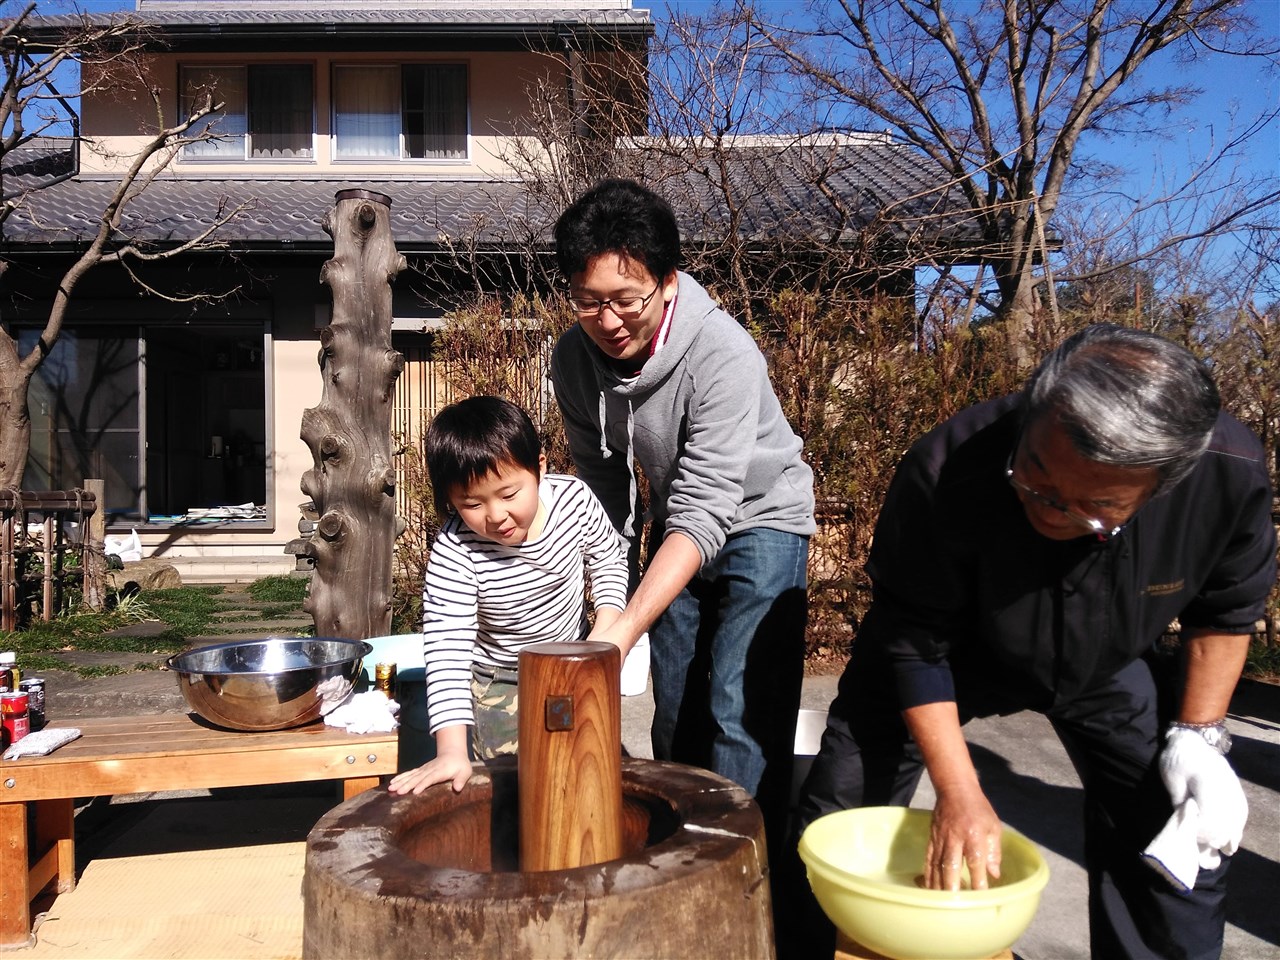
655, 373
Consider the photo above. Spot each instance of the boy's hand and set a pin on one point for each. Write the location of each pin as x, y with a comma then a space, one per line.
451, 763
608, 629
447, 766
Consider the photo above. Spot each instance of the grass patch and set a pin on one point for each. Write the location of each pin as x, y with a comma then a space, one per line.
170, 640
34, 664
1263, 662
257, 633
69, 631
181, 614
279, 589
101, 670
167, 642
279, 612
187, 610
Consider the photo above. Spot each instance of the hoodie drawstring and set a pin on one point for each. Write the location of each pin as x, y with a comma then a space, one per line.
605, 452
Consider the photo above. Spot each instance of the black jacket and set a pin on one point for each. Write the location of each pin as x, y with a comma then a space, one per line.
962, 584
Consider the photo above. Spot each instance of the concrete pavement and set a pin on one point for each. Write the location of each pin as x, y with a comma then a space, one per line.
1034, 789
1023, 768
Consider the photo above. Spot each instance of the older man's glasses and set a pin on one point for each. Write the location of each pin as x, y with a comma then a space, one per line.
624, 308
1091, 524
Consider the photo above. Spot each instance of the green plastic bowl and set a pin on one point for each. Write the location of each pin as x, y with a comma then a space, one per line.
863, 864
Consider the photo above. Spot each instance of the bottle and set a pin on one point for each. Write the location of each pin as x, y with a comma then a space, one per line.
9, 661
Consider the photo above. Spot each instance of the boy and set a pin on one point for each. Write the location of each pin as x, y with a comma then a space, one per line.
506, 570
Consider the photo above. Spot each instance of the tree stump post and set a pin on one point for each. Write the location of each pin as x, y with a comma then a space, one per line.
352, 482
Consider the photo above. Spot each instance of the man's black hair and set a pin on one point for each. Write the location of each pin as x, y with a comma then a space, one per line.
470, 439
618, 216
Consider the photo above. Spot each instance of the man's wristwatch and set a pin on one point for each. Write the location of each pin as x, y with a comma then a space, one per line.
1215, 734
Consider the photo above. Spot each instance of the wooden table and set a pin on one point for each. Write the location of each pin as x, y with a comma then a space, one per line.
140, 754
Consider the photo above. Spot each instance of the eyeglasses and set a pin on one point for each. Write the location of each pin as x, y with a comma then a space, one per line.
1091, 524
624, 308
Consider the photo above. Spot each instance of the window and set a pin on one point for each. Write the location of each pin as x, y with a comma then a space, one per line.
414, 111
84, 413
266, 114
173, 417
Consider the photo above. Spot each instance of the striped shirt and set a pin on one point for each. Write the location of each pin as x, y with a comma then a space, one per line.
483, 601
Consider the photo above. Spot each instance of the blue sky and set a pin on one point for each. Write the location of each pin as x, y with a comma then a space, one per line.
1236, 90
1247, 86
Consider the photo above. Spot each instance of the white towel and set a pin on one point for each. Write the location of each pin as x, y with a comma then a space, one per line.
369, 712
41, 743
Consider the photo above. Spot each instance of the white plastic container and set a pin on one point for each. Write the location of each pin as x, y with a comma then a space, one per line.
635, 668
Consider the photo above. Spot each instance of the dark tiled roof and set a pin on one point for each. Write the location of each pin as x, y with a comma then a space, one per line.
832, 187
36, 163
179, 21
274, 212
780, 194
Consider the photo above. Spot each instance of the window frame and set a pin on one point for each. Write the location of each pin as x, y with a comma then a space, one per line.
401, 156
246, 154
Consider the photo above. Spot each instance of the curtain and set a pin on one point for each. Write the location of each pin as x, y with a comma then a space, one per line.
228, 126
435, 112
366, 112
280, 114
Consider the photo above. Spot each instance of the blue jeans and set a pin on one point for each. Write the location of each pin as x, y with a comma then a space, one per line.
728, 662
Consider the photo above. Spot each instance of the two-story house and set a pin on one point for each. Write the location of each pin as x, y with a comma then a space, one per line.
190, 409
189, 406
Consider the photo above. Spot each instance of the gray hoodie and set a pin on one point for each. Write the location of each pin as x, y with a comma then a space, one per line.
701, 418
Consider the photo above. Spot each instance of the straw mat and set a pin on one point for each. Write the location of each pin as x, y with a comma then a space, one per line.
237, 902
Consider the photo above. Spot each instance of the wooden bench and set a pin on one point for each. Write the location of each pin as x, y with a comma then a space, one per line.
141, 754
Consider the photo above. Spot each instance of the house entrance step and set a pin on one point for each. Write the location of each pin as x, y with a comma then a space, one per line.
231, 569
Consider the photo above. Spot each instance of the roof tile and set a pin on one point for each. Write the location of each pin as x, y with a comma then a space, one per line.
869, 183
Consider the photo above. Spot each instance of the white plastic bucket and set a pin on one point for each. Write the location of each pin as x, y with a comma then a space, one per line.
635, 668
809, 727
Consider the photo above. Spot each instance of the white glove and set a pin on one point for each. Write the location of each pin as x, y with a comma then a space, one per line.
1190, 768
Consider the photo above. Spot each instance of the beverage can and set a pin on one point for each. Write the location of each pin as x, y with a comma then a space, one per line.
33, 687
384, 679
14, 717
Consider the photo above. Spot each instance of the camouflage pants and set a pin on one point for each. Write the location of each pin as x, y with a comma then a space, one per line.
494, 696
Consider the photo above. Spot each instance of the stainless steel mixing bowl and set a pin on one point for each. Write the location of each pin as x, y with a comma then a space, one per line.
267, 684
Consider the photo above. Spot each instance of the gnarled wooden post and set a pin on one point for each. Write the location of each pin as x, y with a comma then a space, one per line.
349, 433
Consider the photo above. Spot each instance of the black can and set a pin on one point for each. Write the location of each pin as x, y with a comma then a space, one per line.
34, 689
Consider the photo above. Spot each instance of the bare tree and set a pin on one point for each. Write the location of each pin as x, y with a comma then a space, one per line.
32, 108
1001, 97
765, 204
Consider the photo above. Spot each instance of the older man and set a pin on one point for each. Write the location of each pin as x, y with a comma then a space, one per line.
1029, 555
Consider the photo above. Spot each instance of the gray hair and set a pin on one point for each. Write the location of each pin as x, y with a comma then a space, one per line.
1128, 399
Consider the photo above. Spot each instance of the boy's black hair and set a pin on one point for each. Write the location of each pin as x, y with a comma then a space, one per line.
618, 216
470, 439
